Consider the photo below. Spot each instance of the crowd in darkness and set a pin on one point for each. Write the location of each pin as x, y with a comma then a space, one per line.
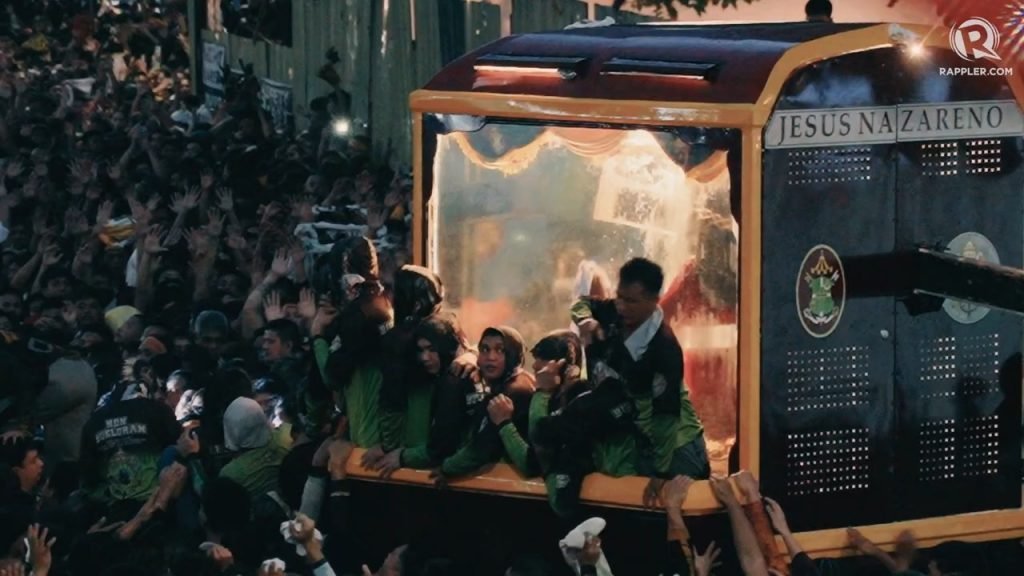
203, 318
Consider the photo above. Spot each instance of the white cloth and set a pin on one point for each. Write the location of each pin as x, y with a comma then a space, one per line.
131, 270
273, 564
639, 340
299, 549
577, 538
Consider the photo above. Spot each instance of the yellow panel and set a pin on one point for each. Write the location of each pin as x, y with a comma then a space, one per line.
504, 480
583, 109
977, 527
749, 373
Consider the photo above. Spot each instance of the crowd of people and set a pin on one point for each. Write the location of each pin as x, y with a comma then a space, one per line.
202, 318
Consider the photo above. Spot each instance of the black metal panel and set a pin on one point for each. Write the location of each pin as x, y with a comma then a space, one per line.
958, 429
900, 406
825, 402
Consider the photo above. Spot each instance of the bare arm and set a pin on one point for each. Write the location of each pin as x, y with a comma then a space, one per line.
751, 559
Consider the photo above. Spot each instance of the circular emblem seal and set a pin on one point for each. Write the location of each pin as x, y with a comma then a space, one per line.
820, 291
970, 246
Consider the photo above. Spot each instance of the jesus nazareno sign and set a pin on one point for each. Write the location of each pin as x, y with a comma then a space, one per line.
888, 124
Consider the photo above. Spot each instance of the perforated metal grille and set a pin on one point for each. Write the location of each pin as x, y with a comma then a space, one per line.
983, 156
966, 367
940, 159
829, 165
828, 461
827, 379
952, 449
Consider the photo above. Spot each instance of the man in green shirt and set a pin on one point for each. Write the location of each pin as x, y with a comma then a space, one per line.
628, 340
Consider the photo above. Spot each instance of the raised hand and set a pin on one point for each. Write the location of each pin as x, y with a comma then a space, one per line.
183, 203
376, 216
722, 489
307, 304
282, 264
652, 493
225, 199
272, 309
675, 491
776, 515
214, 222
704, 563
103, 215
153, 243
86, 253
52, 257
199, 244
40, 550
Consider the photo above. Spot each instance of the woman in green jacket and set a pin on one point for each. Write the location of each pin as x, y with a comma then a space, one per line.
573, 429
433, 421
500, 362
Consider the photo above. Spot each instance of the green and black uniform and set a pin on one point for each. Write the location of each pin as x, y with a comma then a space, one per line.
433, 420
484, 443
670, 436
406, 407
572, 428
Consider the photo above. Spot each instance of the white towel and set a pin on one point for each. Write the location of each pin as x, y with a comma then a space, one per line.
299, 549
576, 539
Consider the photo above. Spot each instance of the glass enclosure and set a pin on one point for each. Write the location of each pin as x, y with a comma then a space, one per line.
524, 219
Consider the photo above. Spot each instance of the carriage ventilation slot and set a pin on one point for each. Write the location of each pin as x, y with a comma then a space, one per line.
828, 461
940, 159
568, 67
827, 379
954, 367
952, 449
983, 156
634, 67
833, 165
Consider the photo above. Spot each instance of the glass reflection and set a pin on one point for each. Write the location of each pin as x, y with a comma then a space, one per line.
526, 219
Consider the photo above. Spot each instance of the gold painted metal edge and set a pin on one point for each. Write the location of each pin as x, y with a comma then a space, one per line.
503, 480
749, 370
553, 108
975, 527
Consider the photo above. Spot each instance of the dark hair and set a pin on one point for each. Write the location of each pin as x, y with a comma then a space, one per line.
286, 330
13, 453
644, 272
818, 8
559, 345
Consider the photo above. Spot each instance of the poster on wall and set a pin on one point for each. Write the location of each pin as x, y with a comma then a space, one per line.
276, 98
214, 56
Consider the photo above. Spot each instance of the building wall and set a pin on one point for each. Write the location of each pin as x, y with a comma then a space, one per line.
389, 48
